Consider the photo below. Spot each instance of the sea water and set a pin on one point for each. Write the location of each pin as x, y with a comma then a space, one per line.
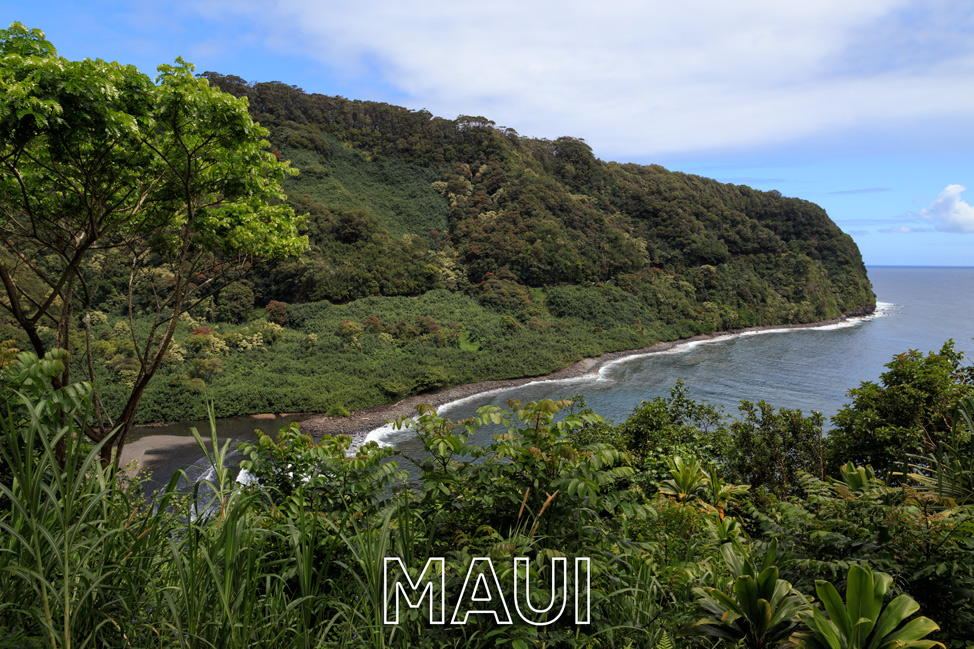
805, 369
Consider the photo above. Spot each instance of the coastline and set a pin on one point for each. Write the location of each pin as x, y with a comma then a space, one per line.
360, 423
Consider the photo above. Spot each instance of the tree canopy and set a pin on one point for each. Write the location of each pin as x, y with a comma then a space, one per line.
105, 171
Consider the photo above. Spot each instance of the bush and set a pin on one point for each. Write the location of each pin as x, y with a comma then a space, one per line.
338, 410
909, 412
235, 303
276, 312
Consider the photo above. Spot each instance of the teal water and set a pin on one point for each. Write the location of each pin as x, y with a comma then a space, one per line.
806, 369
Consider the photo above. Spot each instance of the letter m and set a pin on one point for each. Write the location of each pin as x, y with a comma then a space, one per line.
424, 581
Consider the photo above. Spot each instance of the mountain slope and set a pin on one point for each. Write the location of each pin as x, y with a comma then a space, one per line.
486, 203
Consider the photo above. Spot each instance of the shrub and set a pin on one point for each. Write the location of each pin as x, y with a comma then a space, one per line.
338, 410
276, 312
234, 303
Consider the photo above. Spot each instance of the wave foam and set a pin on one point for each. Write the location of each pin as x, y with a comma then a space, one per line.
379, 435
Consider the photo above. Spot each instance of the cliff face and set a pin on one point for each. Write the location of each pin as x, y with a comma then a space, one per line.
402, 202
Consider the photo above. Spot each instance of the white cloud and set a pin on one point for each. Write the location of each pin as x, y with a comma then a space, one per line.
632, 77
901, 229
949, 212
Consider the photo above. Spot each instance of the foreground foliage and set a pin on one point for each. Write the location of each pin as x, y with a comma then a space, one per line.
861, 621
295, 557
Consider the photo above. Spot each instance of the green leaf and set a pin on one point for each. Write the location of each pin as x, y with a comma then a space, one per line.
834, 607
861, 603
896, 612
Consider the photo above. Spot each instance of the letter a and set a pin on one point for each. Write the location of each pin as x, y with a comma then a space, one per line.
485, 591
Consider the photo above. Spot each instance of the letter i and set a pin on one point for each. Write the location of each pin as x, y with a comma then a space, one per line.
583, 585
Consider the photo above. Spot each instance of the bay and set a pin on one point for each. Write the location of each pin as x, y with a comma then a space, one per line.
807, 369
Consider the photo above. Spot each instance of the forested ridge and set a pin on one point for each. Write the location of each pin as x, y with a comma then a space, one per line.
486, 202
440, 252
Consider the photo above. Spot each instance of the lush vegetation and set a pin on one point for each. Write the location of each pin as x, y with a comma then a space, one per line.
325, 356
684, 552
117, 189
137, 213
538, 213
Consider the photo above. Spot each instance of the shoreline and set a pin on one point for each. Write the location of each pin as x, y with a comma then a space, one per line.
360, 423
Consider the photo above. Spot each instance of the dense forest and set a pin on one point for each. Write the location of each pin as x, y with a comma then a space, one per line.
443, 252
484, 203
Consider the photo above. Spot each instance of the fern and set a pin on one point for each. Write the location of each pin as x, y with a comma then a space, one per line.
665, 642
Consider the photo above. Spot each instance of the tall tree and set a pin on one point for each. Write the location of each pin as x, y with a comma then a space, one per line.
909, 412
97, 160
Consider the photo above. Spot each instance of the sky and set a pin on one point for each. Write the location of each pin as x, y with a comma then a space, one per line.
865, 107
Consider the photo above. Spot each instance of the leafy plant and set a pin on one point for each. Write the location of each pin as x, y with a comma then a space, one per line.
688, 479
948, 472
758, 610
861, 622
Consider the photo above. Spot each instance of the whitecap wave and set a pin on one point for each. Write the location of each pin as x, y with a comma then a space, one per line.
382, 434
208, 475
379, 436
245, 477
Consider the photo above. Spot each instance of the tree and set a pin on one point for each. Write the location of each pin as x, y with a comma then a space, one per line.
910, 412
771, 448
235, 303
100, 165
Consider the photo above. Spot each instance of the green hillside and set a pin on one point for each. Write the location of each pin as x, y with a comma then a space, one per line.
451, 251
487, 202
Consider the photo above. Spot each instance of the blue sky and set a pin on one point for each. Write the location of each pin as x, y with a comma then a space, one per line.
865, 107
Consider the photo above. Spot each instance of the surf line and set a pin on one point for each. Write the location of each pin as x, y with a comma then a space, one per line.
383, 434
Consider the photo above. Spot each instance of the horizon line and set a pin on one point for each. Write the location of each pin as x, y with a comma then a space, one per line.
915, 266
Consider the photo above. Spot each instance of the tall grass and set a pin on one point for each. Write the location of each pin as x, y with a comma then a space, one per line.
76, 548
87, 561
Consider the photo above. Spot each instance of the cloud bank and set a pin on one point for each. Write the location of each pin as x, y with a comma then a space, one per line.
949, 212
645, 78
